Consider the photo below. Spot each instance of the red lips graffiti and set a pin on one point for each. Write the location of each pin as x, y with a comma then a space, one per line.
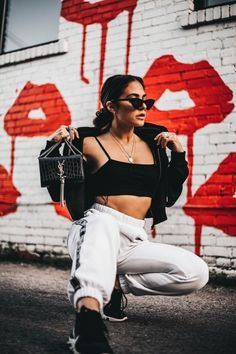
203, 85
212, 104
102, 12
18, 123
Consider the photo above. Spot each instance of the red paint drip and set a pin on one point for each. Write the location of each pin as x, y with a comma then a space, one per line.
13, 141
102, 59
8, 193
190, 164
102, 12
198, 231
83, 78
154, 233
214, 204
61, 211
130, 19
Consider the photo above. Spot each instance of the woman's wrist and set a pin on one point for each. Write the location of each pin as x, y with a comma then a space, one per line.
175, 146
178, 149
53, 138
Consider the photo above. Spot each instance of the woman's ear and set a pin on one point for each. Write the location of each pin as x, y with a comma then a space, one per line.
110, 106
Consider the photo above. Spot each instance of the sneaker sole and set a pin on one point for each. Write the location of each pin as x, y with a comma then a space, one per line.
114, 319
71, 344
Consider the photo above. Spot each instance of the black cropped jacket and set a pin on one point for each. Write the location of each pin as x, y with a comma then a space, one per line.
173, 174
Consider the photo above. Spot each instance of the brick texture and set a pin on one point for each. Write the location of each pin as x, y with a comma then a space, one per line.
190, 71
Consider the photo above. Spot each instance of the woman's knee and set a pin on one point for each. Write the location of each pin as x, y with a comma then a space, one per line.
198, 278
203, 275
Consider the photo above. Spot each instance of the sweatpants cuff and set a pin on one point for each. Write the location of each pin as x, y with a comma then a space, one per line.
91, 292
123, 284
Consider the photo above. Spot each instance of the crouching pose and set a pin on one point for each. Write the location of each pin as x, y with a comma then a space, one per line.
128, 178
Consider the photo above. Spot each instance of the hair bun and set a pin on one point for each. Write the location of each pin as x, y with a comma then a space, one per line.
100, 113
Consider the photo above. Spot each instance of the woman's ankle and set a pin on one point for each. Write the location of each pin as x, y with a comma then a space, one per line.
88, 302
117, 283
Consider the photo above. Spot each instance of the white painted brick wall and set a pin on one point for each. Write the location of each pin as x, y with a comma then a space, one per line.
156, 31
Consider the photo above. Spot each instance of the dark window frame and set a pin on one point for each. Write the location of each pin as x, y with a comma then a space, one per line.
202, 4
3, 13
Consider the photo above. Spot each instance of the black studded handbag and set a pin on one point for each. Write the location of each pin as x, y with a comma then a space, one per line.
61, 170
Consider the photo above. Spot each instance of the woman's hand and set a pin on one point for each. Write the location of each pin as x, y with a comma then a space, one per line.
64, 132
170, 140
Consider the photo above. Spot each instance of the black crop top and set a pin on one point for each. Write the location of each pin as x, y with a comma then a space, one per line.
123, 178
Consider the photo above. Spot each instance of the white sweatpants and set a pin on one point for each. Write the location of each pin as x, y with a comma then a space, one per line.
106, 242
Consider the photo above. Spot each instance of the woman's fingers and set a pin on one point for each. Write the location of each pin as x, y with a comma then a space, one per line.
58, 135
65, 132
170, 140
76, 133
73, 133
162, 139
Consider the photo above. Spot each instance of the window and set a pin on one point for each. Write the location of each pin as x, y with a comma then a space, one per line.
202, 4
28, 23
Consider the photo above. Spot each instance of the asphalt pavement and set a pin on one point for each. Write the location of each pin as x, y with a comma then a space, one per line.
36, 317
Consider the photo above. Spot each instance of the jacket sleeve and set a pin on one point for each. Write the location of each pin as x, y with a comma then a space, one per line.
49, 144
53, 189
177, 172
174, 172
74, 196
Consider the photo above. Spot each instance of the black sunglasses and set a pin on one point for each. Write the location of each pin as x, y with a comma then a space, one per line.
137, 103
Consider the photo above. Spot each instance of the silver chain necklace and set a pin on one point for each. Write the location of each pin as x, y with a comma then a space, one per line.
129, 156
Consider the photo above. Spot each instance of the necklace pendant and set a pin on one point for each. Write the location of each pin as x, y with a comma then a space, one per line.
130, 158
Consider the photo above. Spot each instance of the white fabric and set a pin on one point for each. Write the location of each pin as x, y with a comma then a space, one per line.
106, 242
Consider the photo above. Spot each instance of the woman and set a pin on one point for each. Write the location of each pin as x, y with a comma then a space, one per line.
128, 178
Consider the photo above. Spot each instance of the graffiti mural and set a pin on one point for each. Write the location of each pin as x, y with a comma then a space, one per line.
204, 87
17, 123
101, 12
8, 193
213, 204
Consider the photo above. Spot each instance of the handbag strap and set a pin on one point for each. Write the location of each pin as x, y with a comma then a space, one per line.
71, 147
48, 151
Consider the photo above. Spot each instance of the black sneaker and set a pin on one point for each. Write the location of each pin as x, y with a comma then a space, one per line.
114, 310
88, 335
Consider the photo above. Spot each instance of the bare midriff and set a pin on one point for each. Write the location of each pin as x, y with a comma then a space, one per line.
131, 205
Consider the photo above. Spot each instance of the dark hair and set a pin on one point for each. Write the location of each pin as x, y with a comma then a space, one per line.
112, 88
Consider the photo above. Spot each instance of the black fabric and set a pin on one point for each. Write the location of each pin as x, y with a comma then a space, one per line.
90, 333
123, 178
114, 309
173, 173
